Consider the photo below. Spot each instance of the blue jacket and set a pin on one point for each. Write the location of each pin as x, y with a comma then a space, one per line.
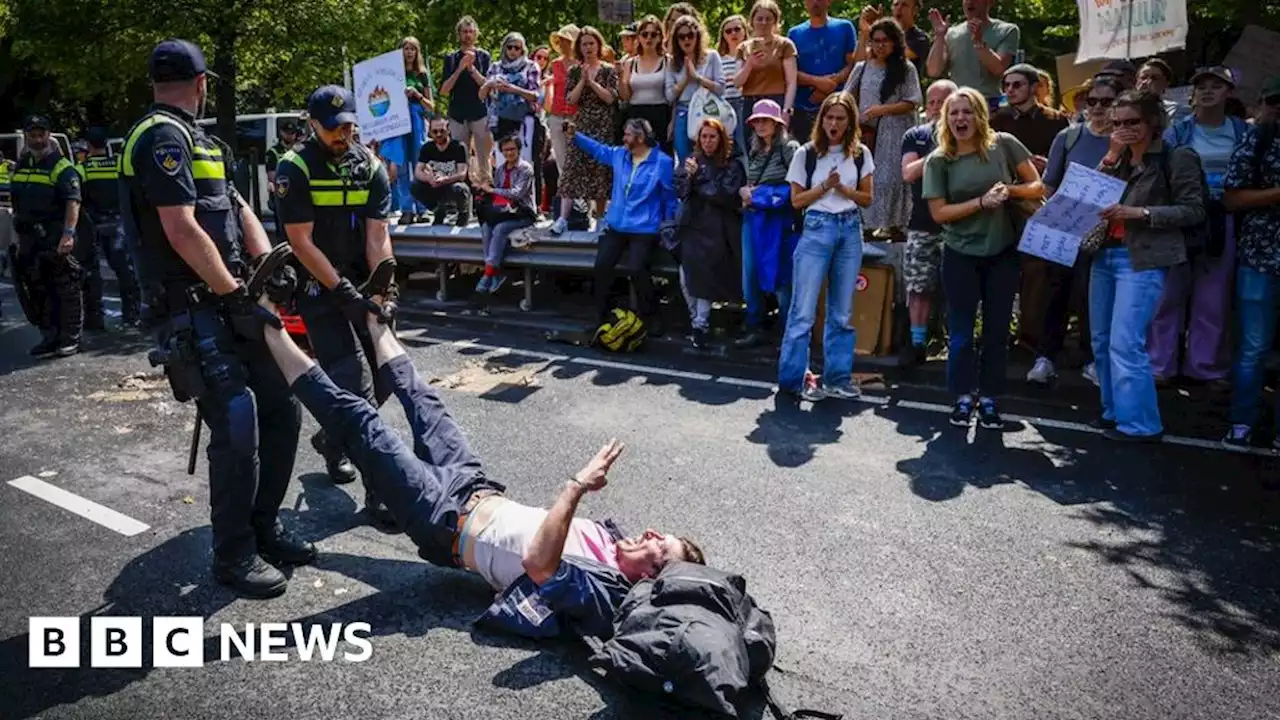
770, 220
638, 204
579, 599
1181, 132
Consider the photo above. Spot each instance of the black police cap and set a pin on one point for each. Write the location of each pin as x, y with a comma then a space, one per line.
96, 137
332, 106
36, 121
176, 60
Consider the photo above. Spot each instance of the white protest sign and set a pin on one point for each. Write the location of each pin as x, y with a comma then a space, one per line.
1055, 231
381, 105
616, 12
1130, 28
1254, 58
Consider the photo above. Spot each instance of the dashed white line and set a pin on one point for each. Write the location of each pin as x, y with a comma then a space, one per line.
87, 509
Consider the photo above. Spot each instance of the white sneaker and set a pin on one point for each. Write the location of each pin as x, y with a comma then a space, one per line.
559, 226
1043, 372
1090, 373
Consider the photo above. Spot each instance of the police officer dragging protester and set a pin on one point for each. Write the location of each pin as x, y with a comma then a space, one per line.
289, 138
197, 242
45, 191
333, 197
103, 236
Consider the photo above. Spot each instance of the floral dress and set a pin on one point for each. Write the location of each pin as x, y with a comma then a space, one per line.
891, 201
584, 177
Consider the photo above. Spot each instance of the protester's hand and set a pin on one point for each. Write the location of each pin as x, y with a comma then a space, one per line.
873, 112
595, 475
66, 243
1122, 212
1114, 151
247, 317
745, 194
485, 188
869, 16
1041, 162
939, 22
282, 284
691, 166
570, 129
832, 181
975, 30
412, 94
996, 196
825, 85
689, 70
468, 59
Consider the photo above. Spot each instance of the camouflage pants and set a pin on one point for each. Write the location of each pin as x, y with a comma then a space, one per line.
922, 263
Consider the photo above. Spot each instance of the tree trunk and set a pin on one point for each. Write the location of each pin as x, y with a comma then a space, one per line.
224, 88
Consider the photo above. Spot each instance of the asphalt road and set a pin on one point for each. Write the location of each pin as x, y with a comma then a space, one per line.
913, 570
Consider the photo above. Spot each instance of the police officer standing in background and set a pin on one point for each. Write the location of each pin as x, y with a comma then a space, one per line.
45, 191
333, 197
197, 240
288, 140
103, 237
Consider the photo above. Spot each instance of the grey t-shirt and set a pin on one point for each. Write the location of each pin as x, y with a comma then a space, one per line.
1087, 149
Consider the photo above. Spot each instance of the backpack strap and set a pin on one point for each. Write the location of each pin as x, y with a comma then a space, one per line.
810, 161
781, 713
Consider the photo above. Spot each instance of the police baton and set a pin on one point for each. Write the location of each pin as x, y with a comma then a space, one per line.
195, 443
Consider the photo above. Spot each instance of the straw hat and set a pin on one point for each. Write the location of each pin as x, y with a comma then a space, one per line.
1073, 98
569, 32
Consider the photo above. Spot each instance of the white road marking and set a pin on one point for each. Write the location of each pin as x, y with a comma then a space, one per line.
87, 509
880, 400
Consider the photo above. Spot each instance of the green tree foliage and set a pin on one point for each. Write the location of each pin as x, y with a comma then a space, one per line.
85, 60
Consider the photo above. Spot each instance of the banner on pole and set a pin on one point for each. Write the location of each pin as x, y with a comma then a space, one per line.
381, 105
1130, 28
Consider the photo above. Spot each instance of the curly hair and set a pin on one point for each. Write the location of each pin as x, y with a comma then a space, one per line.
720, 157
1147, 104
986, 137
850, 143
701, 45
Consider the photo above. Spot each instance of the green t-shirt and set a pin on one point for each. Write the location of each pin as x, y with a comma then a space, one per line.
966, 71
986, 232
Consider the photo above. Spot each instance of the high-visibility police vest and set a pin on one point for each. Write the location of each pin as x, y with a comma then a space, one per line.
34, 189
100, 176
338, 196
159, 266
6, 175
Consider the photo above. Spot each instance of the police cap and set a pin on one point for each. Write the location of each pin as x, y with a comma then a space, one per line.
96, 137
177, 60
36, 121
332, 106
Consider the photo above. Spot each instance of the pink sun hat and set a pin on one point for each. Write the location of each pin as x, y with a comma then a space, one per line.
767, 110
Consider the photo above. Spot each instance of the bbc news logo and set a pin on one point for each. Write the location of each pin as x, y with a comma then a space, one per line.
117, 642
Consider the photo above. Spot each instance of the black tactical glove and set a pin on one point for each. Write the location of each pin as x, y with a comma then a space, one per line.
354, 306
282, 284
247, 317
382, 283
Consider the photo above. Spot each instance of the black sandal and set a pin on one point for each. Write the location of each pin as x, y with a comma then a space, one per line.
267, 266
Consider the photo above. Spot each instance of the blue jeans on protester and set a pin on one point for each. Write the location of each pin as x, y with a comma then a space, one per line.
404, 152
966, 281
751, 292
1122, 304
830, 248
681, 141
1257, 311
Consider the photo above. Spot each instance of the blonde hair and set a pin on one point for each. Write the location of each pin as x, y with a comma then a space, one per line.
769, 5
850, 144
1044, 89
723, 45
986, 137
700, 36
464, 22
419, 64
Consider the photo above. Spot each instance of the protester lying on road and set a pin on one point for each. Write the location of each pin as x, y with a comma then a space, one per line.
553, 571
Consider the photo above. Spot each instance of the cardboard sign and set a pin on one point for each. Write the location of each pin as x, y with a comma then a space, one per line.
1130, 28
1254, 58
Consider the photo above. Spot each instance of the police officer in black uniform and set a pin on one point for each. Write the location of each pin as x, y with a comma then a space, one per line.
333, 197
289, 138
102, 235
45, 191
196, 241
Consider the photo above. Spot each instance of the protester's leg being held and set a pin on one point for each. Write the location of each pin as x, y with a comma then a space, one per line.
812, 262
279, 423
1257, 308
839, 336
1137, 296
1102, 311
336, 348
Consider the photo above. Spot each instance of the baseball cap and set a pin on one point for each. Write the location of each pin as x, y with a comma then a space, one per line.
629, 29
1217, 71
96, 137
176, 60
36, 121
331, 106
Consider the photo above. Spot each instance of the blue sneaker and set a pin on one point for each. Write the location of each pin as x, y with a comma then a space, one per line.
485, 284
496, 282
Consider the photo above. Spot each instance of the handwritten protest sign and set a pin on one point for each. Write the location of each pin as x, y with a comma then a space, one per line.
381, 105
1055, 231
1130, 28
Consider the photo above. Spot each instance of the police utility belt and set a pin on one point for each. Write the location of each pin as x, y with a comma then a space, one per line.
182, 351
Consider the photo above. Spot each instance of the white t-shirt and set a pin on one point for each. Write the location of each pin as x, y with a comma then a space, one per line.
499, 547
832, 201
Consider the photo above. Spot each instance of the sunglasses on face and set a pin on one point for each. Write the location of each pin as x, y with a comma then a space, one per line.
515, 47
684, 36
733, 30
650, 34
1095, 101
1127, 122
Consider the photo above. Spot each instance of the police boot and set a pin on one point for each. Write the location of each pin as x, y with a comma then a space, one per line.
279, 545
46, 348
378, 512
341, 470
250, 577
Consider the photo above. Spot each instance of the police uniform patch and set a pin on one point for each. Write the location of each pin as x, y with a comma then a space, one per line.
282, 185
168, 158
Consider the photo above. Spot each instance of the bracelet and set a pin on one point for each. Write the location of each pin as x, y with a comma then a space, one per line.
982, 202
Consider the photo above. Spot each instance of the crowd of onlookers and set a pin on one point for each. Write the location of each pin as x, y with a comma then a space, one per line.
762, 158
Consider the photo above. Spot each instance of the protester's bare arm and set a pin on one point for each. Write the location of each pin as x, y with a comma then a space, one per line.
542, 558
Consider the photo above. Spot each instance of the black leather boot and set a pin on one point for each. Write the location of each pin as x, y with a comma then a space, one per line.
341, 470
279, 545
250, 577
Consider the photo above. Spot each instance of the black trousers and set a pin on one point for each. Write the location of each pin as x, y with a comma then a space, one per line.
103, 239
634, 250
436, 199
967, 281
253, 423
424, 488
54, 280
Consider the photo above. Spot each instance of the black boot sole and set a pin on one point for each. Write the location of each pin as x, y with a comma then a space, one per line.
382, 276
286, 560
254, 592
276, 257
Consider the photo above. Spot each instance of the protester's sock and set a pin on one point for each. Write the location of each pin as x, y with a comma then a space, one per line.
490, 271
919, 334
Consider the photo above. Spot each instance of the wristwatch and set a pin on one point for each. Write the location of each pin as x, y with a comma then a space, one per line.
1146, 214
69, 231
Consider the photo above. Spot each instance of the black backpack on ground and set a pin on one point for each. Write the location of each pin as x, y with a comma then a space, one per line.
693, 637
